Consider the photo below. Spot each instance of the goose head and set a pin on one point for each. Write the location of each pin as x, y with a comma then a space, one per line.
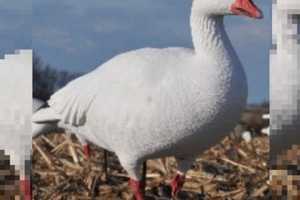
228, 7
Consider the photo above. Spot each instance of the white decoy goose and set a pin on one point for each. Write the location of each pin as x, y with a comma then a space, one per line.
152, 103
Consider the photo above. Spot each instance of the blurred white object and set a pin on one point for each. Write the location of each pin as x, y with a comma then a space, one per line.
266, 116
246, 135
15, 112
267, 129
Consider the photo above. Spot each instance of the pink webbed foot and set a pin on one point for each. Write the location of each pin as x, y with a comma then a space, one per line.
87, 150
137, 188
177, 184
25, 187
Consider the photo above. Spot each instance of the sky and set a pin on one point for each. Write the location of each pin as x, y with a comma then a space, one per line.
78, 35
15, 26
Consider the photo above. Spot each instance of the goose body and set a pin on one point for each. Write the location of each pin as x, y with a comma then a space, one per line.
151, 103
164, 102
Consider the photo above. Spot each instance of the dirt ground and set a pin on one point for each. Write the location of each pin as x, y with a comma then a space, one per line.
231, 170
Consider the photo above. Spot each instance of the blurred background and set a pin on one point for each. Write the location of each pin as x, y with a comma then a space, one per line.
15, 26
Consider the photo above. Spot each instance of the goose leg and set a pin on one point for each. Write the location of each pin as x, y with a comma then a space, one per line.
136, 183
87, 150
137, 187
85, 146
183, 165
25, 188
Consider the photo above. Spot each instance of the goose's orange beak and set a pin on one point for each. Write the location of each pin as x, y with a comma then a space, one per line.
247, 8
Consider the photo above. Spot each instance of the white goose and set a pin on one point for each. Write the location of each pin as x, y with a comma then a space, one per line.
152, 103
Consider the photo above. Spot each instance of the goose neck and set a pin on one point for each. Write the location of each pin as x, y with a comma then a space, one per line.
208, 33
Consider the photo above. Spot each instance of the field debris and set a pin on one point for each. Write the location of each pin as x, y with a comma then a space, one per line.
234, 169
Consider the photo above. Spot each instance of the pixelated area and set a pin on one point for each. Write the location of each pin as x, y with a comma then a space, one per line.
285, 100
285, 175
285, 77
15, 118
9, 178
